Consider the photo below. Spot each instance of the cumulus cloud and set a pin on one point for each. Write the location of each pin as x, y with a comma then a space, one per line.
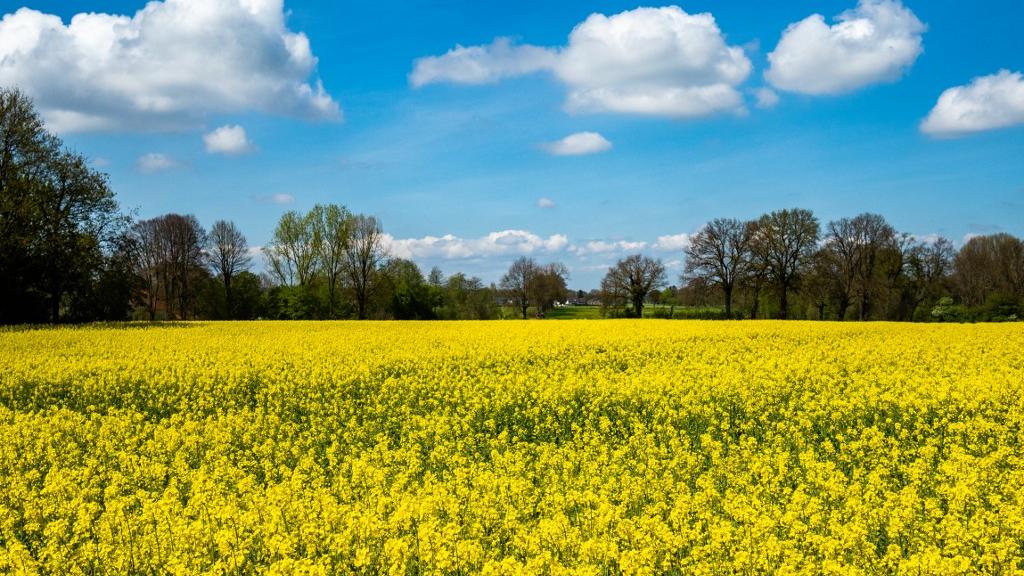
874, 42
654, 61
155, 162
672, 242
579, 144
666, 243
481, 64
545, 203
658, 61
165, 67
987, 103
451, 247
228, 140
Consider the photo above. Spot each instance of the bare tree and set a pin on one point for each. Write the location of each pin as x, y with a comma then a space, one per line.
989, 265
292, 253
784, 241
363, 256
633, 278
927, 266
874, 238
170, 260
840, 254
518, 281
228, 255
184, 240
332, 227
148, 258
720, 254
819, 284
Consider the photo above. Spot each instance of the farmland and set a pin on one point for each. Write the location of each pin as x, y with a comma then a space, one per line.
600, 447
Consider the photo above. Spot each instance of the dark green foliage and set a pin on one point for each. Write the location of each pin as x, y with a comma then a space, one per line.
60, 230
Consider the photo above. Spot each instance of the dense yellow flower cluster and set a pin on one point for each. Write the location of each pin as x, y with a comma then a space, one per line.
604, 447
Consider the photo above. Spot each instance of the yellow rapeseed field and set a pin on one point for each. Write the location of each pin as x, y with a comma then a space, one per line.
603, 447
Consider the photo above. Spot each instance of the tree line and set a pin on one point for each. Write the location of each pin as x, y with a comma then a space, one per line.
68, 254
786, 265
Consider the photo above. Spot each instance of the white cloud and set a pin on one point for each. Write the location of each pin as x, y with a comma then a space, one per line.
987, 103
165, 68
766, 97
155, 162
654, 61
658, 61
930, 238
481, 64
968, 236
545, 203
875, 42
666, 243
675, 265
672, 242
451, 247
579, 144
276, 199
228, 140
606, 247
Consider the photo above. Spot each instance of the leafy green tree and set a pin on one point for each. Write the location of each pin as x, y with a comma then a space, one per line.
332, 231
408, 296
59, 221
292, 255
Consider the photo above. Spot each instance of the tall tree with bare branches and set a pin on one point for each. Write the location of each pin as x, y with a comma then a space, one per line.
518, 280
632, 279
228, 255
784, 241
363, 256
720, 254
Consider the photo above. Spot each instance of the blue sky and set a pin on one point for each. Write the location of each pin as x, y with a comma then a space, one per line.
467, 148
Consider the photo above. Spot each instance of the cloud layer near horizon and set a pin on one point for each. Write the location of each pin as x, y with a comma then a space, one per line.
523, 243
165, 68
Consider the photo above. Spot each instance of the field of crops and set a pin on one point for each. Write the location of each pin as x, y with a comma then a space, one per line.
601, 447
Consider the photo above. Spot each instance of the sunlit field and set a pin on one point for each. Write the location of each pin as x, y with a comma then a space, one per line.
601, 447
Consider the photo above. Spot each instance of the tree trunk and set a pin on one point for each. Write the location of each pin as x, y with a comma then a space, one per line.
844, 303
638, 306
728, 301
783, 303
227, 298
55, 305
